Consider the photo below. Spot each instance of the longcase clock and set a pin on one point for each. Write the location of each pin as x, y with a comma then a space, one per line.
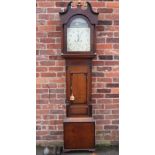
78, 48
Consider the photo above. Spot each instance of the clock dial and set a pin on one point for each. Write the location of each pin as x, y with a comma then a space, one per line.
78, 39
78, 36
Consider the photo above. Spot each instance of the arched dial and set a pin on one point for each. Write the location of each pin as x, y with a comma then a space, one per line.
78, 36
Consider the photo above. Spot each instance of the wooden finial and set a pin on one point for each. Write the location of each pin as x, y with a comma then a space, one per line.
79, 3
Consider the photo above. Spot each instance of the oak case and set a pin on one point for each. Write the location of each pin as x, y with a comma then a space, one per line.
79, 125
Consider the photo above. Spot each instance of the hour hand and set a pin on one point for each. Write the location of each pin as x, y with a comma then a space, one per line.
78, 37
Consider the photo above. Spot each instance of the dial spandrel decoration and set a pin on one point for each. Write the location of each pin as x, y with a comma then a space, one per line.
78, 36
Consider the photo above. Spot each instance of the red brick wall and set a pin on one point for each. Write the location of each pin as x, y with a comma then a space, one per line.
51, 72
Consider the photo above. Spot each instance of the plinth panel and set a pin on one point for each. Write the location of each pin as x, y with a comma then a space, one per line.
79, 133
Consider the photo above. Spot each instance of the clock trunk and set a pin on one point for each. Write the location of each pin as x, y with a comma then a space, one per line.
78, 85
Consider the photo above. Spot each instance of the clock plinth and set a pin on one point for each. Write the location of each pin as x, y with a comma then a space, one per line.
78, 48
79, 134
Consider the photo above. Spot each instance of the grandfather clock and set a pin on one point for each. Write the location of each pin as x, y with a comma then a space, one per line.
78, 48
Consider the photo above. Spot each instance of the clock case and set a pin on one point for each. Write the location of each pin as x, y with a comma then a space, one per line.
79, 125
66, 18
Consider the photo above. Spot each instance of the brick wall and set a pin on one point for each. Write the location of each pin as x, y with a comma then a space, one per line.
50, 82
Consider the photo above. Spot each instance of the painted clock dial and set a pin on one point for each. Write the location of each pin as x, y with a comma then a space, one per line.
78, 36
